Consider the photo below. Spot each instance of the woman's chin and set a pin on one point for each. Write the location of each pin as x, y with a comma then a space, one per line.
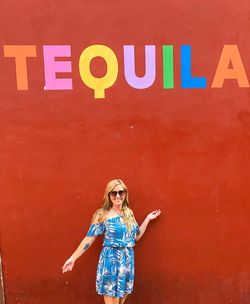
118, 203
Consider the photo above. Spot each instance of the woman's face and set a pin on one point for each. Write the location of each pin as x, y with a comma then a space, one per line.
117, 196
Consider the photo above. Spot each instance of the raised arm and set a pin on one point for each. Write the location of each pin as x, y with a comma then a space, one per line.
151, 216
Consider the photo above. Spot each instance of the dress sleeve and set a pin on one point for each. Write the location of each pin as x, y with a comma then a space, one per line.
137, 229
96, 229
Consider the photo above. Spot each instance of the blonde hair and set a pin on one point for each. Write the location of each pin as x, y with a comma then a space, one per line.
128, 215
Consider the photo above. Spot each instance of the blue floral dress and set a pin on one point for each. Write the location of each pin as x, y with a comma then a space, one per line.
115, 270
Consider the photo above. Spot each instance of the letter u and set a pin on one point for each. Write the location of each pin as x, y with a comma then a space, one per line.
129, 67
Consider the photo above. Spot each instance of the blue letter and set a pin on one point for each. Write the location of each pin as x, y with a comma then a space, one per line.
187, 81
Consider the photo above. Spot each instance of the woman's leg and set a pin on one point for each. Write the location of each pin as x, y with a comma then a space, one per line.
122, 300
110, 300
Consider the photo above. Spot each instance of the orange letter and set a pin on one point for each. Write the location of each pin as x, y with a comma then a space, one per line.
20, 53
230, 54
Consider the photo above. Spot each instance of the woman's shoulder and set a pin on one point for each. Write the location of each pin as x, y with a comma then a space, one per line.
99, 216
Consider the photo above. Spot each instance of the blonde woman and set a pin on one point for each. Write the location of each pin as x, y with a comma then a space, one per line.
115, 270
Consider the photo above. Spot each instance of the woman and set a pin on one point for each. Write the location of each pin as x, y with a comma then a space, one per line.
115, 271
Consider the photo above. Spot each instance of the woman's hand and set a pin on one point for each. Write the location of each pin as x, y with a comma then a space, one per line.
68, 265
153, 214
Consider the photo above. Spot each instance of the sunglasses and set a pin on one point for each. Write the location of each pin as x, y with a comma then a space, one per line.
120, 192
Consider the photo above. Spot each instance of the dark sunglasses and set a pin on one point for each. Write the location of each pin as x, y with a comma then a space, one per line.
120, 192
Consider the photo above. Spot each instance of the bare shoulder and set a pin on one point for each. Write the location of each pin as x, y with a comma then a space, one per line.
99, 216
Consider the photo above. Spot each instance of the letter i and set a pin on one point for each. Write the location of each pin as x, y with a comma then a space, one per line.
168, 67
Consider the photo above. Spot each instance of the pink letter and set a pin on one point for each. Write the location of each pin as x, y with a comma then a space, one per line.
51, 67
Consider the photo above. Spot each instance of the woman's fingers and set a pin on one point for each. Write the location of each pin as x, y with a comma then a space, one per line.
152, 215
65, 269
67, 266
156, 212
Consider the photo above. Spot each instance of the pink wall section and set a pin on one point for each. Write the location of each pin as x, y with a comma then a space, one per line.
185, 151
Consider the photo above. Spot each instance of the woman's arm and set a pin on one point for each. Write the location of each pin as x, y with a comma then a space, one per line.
84, 245
149, 217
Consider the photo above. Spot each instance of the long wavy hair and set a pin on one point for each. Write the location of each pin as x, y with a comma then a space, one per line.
128, 215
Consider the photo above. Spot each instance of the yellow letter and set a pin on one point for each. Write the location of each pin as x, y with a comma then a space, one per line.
230, 53
98, 84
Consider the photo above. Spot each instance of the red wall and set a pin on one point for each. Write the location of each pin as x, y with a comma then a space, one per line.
185, 151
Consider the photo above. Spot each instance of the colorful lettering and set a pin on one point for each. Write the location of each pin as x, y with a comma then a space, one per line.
51, 67
20, 53
129, 67
168, 67
187, 81
230, 54
98, 84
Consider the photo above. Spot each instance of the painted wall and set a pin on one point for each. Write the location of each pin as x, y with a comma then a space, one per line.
185, 151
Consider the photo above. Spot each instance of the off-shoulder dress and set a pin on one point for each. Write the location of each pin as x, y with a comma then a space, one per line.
115, 270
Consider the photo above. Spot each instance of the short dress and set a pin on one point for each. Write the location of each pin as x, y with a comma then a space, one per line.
115, 270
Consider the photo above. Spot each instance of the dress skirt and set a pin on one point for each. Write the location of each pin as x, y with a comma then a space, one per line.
115, 271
